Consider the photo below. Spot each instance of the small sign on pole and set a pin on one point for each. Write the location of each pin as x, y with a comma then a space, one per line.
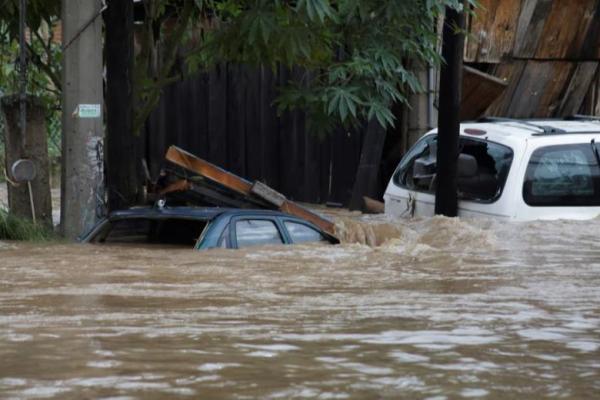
89, 111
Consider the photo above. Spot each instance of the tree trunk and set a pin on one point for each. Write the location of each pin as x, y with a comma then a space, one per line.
34, 148
82, 189
122, 150
446, 202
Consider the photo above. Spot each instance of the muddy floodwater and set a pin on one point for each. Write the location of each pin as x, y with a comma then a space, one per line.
432, 308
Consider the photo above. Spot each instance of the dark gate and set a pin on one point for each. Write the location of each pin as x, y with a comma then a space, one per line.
227, 117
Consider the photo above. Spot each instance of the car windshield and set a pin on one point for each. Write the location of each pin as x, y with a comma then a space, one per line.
167, 231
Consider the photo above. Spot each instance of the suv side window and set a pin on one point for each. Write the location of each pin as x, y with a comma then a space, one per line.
255, 232
563, 175
483, 181
301, 233
404, 175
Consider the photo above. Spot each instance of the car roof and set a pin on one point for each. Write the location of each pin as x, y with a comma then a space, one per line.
200, 213
506, 128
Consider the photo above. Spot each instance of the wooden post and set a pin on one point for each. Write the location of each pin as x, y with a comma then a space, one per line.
34, 146
122, 160
368, 167
446, 202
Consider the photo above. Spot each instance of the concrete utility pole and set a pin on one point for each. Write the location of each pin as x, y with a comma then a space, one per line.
453, 43
82, 189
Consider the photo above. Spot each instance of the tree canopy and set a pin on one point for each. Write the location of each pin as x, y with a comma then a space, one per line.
352, 52
43, 51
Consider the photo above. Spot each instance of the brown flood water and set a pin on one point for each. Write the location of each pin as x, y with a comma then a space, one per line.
435, 308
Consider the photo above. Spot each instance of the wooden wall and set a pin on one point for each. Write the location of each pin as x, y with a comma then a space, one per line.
546, 50
227, 117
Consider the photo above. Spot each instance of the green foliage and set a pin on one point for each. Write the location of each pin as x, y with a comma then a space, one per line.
43, 54
14, 228
43, 58
353, 52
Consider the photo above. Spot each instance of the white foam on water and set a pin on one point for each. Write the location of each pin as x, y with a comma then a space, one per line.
12, 382
263, 354
469, 393
208, 367
408, 357
103, 364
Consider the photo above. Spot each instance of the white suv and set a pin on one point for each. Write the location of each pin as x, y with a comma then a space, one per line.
513, 169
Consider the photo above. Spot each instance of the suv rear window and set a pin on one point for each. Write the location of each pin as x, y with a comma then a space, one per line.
564, 175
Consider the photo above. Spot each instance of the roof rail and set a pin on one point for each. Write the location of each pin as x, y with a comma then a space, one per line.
581, 117
545, 129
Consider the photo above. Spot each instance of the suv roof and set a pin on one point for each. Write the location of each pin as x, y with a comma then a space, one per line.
529, 128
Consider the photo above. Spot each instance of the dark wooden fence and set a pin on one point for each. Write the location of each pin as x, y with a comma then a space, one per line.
228, 117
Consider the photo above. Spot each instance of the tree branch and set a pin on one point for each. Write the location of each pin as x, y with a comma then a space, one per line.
37, 60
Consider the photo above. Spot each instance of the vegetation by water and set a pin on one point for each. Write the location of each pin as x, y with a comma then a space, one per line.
17, 228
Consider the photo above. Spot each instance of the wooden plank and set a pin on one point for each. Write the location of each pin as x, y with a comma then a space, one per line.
239, 185
324, 169
523, 21
269, 128
217, 115
299, 211
565, 29
368, 167
253, 146
197, 107
479, 90
590, 48
579, 85
201, 167
539, 89
531, 24
492, 30
555, 87
511, 73
236, 120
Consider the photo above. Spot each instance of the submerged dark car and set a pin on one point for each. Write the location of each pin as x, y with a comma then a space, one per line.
205, 228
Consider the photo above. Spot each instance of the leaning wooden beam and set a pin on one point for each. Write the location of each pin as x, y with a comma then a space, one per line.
241, 186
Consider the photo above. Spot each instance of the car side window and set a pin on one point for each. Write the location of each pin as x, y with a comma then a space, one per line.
563, 175
134, 230
224, 241
255, 232
483, 167
301, 233
404, 174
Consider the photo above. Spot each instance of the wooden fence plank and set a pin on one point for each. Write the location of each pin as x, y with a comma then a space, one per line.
236, 121
565, 25
228, 116
531, 26
590, 48
269, 128
253, 145
217, 115
539, 88
510, 72
492, 31
479, 90
579, 85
